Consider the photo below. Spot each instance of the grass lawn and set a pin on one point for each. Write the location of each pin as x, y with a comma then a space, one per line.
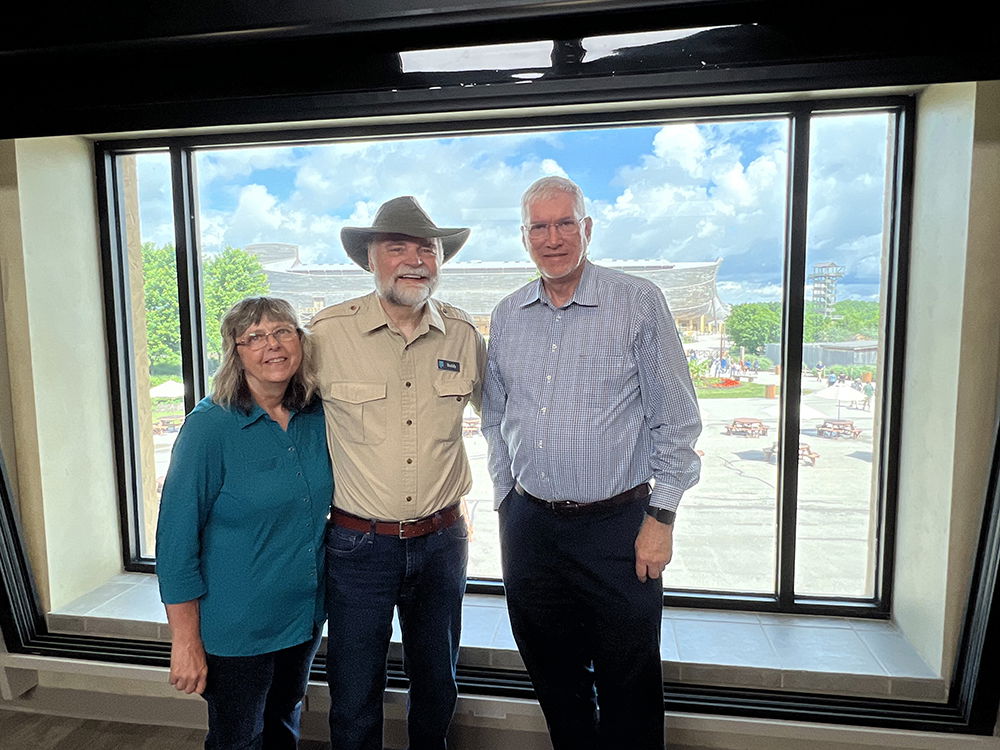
167, 407
705, 389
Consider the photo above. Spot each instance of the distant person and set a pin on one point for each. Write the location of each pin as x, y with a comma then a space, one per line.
868, 390
587, 400
831, 379
239, 543
397, 369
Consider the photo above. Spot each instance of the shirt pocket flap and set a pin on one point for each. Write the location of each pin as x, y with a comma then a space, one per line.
356, 393
453, 387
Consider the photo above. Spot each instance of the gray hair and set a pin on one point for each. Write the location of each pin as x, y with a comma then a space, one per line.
230, 388
550, 187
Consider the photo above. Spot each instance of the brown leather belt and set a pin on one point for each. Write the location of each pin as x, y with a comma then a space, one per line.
638, 492
402, 529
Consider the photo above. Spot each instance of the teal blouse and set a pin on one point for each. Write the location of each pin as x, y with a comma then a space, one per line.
242, 515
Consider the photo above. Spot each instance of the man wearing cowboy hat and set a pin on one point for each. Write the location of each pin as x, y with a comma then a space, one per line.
397, 369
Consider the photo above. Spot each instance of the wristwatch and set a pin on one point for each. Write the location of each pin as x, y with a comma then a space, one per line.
661, 514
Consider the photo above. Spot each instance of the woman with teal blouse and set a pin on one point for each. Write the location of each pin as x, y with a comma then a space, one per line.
239, 545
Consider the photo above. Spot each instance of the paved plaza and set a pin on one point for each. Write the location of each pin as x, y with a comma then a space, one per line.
726, 531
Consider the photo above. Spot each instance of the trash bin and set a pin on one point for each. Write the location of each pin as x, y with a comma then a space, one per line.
770, 391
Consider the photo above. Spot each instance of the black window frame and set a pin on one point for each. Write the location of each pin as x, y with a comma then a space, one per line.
798, 114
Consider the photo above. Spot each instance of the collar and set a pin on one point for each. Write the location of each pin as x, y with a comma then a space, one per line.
371, 315
585, 294
245, 420
255, 415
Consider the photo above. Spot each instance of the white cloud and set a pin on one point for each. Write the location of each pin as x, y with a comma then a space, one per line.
698, 192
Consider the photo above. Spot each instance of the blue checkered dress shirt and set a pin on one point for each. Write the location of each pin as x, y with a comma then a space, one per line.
588, 400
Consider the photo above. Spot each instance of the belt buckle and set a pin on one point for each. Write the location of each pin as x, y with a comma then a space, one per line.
561, 504
402, 526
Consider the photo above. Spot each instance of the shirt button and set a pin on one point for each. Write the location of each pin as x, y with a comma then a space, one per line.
554, 347
408, 384
548, 378
541, 444
409, 499
291, 449
545, 409
409, 460
458, 398
409, 422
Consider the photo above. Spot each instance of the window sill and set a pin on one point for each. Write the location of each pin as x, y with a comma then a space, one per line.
828, 655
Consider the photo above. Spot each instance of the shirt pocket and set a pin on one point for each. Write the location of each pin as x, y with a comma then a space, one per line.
452, 394
600, 379
358, 410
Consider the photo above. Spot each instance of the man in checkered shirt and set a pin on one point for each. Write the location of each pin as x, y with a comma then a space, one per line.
591, 419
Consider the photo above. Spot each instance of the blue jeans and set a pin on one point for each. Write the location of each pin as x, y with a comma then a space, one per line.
255, 702
587, 629
367, 576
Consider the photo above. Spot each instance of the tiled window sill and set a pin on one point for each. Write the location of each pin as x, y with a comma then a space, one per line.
844, 656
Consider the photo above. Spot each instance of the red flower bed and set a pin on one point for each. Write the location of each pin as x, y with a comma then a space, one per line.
726, 383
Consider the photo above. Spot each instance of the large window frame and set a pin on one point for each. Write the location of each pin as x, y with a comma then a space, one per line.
198, 89
182, 152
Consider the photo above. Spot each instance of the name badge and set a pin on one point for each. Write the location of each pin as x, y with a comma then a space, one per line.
447, 364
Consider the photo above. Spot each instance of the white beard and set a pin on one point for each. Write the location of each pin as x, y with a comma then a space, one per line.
406, 296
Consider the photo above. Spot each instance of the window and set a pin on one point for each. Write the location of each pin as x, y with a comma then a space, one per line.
707, 206
348, 68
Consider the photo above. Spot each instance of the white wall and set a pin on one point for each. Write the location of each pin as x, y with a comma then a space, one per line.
951, 370
58, 365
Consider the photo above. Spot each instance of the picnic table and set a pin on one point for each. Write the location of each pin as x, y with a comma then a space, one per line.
746, 426
835, 428
807, 456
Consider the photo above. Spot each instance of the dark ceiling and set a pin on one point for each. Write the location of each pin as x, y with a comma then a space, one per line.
129, 66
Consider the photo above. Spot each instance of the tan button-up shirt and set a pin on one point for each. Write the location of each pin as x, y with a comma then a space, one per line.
394, 409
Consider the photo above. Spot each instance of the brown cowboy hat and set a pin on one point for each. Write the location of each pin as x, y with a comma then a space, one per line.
402, 215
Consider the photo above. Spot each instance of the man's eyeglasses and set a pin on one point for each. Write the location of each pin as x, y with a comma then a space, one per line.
256, 341
565, 228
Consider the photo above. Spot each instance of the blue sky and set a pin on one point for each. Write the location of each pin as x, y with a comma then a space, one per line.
672, 192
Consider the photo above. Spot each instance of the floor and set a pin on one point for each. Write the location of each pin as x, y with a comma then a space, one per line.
26, 731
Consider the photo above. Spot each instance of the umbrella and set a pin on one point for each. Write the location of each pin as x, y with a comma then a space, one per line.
841, 393
167, 389
805, 412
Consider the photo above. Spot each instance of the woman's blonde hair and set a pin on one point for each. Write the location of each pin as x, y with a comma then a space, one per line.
230, 389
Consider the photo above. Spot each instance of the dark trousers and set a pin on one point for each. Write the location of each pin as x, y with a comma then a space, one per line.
255, 702
367, 577
587, 629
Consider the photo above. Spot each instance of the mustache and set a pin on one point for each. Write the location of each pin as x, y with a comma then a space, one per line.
421, 272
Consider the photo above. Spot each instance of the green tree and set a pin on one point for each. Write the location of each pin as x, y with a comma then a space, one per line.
754, 324
226, 279
159, 283
860, 319
852, 319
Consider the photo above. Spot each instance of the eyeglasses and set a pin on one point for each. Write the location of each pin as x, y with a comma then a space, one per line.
256, 341
565, 228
